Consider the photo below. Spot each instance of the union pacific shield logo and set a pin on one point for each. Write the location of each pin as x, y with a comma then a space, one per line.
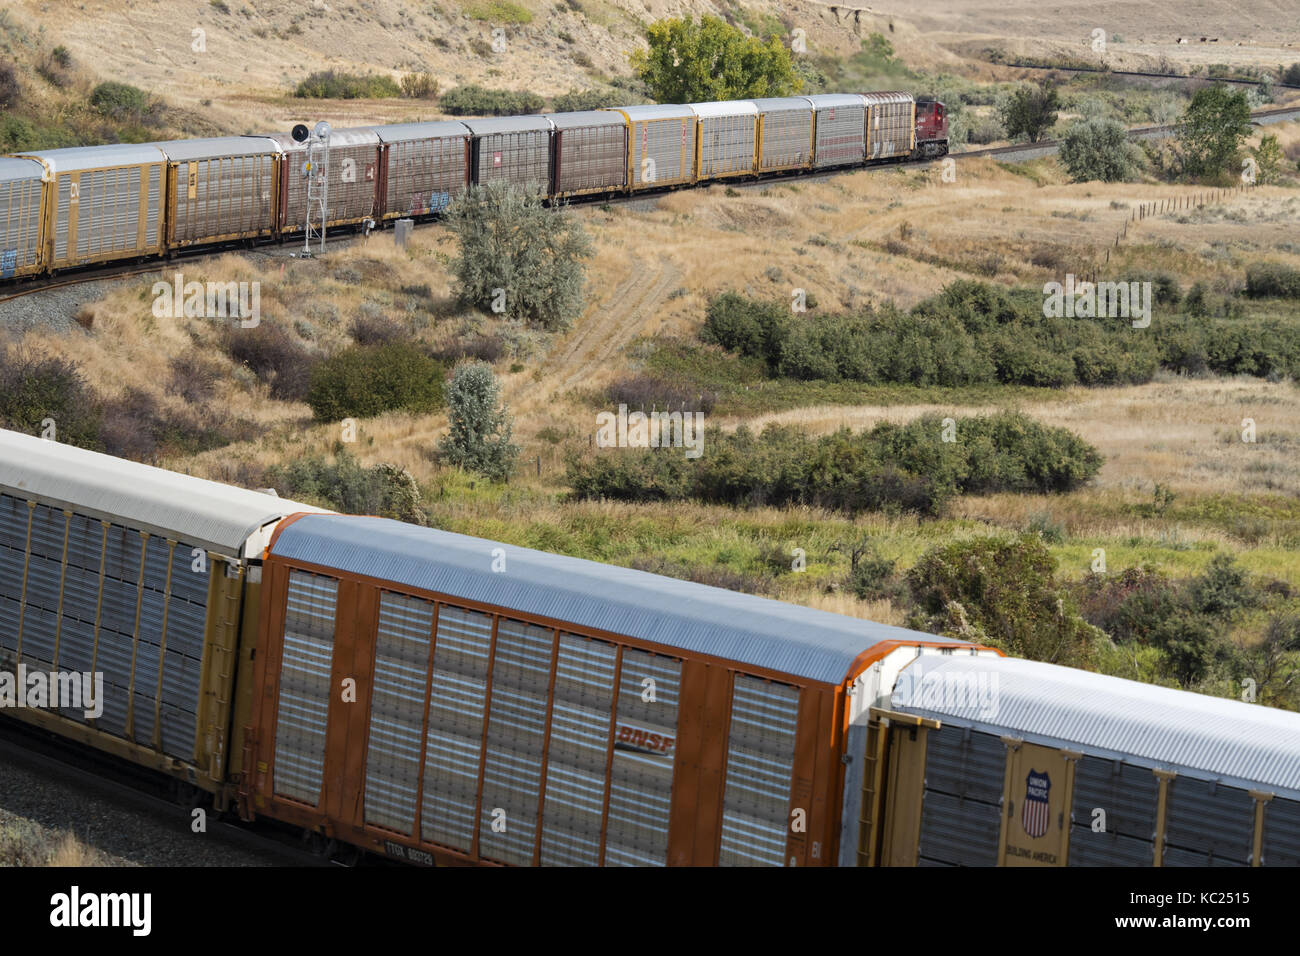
1036, 808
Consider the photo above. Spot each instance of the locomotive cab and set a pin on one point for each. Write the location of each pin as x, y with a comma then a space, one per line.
931, 129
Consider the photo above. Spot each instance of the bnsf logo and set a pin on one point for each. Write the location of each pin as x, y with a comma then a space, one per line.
628, 737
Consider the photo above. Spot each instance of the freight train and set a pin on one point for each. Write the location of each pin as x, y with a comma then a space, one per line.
444, 699
63, 209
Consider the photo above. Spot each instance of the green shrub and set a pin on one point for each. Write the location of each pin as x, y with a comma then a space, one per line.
891, 467
345, 485
500, 11
35, 387
1272, 280
1099, 149
333, 85
1003, 593
121, 102
472, 100
419, 86
363, 381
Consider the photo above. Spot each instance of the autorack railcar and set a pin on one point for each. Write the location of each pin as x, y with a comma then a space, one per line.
220, 189
22, 198
997, 761
589, 153
785, 127
726, 139
841, 129
512, 149
353, 171
660, 145
423, 167
101, 203
145, 576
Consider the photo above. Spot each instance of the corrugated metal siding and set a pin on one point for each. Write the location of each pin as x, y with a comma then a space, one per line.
454, 744
183, 604
841, 136
426, 175
727, 144
591, 158
308, 651
512, 773
353, 180
21, 194
1208, 825
1243, 745
1281, 833
206, 513
670, 146
892, 123
577, 752
223, 196
641, 778
787, 138
760, 765
522, 158
1129, 796
676, 614
961, 813
108, 205
397, 711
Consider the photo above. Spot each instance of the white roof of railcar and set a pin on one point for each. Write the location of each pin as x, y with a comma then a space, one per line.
201, 512
76, 158
1210, 738
586, 118
508, 124
354, 136
775, 104
430, 129
653, 111
725, 108
824, 101
180, 150
12, 170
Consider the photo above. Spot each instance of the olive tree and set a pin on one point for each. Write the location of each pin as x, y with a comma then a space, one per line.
519, 259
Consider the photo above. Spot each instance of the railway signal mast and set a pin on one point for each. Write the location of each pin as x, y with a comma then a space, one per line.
316, 171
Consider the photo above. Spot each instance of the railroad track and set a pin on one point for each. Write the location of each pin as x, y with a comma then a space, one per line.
130, 788
1160, 76
1019, 152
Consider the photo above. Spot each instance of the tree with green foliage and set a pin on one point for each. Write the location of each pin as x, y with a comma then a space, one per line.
1268, 160
479, 439
689, 62
517, 258
1098, 149
1004, 593
1031, 111
1212, 130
